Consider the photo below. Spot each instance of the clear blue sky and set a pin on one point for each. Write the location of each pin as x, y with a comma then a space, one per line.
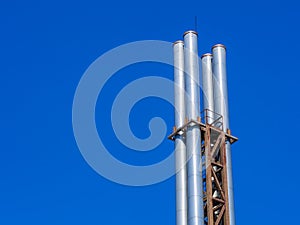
45, 47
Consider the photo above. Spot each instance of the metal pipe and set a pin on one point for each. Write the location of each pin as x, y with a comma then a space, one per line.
180, 148
221, 107
193, 137
207, 87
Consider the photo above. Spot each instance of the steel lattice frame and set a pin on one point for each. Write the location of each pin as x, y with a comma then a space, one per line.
213, 152
215, 177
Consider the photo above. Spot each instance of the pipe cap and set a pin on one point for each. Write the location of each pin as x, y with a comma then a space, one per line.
190, 31
206, 54
218, 45
178, 42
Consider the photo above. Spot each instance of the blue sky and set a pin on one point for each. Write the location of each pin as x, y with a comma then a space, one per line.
45, 48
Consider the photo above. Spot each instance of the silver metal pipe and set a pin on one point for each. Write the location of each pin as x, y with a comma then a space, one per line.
193, 137
207, 87
221, 107
180, 148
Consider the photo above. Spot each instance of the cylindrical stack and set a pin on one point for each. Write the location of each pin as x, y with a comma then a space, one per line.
193, 136
221, 107
207, 87
180, 149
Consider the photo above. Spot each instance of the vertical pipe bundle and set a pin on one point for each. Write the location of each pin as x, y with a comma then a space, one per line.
221, 107
189, 182
193, 136
180, 149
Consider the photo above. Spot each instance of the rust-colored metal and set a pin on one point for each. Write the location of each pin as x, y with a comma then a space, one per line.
208, 201
228, 131
224, 178
216, 211
213, 147
174, 128
202, 126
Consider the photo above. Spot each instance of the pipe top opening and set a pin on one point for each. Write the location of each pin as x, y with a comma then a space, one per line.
206, 54
190, 31
218, 45
178, 42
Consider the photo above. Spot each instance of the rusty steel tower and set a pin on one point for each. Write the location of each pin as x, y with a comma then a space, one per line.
204, 187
